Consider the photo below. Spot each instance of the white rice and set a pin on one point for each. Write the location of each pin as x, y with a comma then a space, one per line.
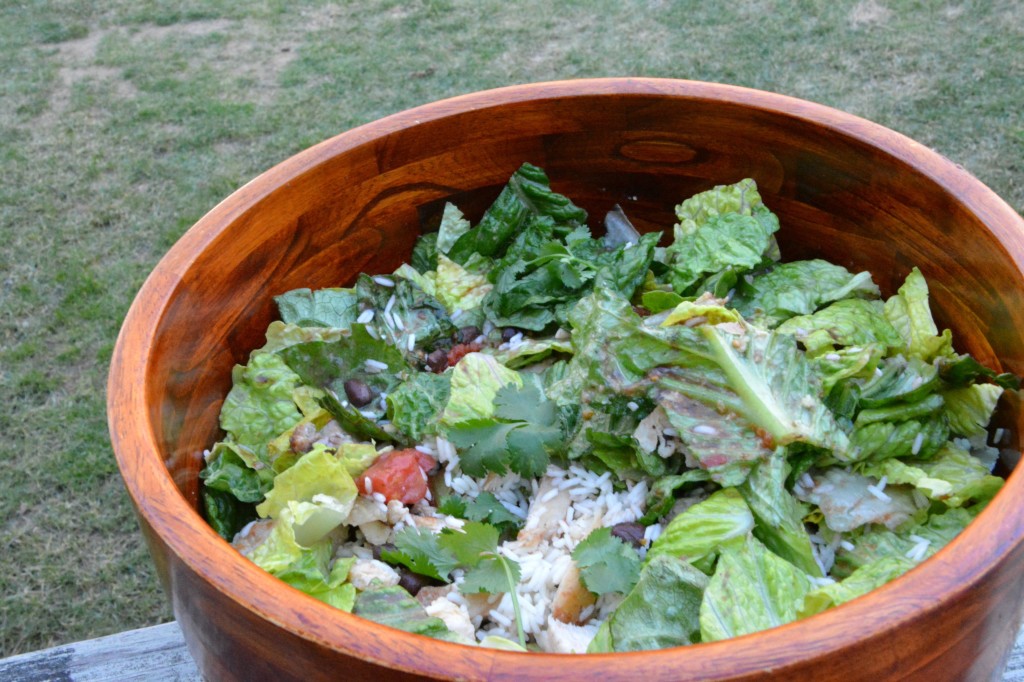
918, 441
384, 281
366, 317
375, 366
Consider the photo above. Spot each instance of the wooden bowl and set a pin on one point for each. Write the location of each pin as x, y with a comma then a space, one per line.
845, 189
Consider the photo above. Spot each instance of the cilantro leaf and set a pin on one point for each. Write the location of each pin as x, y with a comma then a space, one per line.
471, 543
523, 434
482, 444
606, 563
421, 552
486, 508
494, 574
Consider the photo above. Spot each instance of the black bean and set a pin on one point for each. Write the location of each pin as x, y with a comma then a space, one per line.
377, 549
437, 360
508, 332
631, 532
413, 582
358, 392
467, 334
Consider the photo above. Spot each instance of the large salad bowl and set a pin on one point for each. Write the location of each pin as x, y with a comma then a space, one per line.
845, 189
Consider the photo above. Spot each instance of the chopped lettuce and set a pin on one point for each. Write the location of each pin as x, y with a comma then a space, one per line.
909, 313
752, 590
319, 480
661, 611
475, 381
799, 288
333, 307
260, 405
702, 531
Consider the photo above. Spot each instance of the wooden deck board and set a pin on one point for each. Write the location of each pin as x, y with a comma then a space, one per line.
158, 654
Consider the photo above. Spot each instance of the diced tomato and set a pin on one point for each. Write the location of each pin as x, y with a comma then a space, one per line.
400, 475
460, 350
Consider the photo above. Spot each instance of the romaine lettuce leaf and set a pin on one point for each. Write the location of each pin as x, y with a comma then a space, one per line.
259, 405
458, 288
306, 568
475, 381
415, 407
877, 542
394, 607
969, 408
909, 313
661, 611
752, 590
849, 322
798, 288
453, 226
334, 307
320, 480
778, 515
528, 195
860, 582
406, 317
849, 500
358, 356
281, 335
702, 531
953, 476
727, 228
228, 470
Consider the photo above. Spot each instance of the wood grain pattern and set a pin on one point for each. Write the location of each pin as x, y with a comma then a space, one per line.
844, 189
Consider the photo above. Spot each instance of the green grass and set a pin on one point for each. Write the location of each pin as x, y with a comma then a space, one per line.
121, 123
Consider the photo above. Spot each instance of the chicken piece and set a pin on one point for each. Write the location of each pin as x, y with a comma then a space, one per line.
571, 598
455, 616
566, 638
366, 573
364, 510
548, 508
376, 532
252, 535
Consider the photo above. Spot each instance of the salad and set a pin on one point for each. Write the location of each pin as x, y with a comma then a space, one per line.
534, 438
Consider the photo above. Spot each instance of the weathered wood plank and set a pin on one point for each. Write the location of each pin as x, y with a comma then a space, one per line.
150, 654
158, 654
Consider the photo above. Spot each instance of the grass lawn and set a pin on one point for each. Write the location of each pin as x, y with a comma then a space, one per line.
122, 122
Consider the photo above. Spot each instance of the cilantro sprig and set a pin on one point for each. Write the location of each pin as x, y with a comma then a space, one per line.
522, 435
474, 549
606, 563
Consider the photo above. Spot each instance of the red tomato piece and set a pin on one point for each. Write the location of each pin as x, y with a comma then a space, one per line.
399, 475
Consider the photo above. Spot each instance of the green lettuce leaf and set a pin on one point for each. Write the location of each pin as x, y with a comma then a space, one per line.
416, 406
849, 500
459, 289
849, 322
799, 288
453, 226
863, 580
335, 307
528, 195
953, 476
702, 531
406, 317
225, 513
778, 515
727, 228
307, 568
394, 607
319, 479
877, 542
281, 335
328, 365
228, 471
909, 313
661, 611
752, 590
475, 381
969, 408
259, 405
